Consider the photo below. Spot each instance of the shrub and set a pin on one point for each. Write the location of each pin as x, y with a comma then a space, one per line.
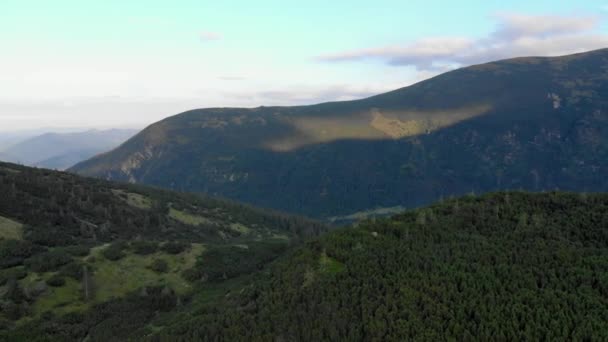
14, 252
72, 270
159, 266
114, 251
14, 273
55, 281
48, 261
144, 247
175, 247
78, 250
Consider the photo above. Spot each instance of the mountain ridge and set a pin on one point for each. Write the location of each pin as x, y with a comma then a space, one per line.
532, 123
63, 150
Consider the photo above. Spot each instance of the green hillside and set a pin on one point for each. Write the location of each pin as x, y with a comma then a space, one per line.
70, 245
527, 123
500, 267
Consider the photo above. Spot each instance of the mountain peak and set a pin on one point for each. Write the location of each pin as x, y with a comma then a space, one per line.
533, 123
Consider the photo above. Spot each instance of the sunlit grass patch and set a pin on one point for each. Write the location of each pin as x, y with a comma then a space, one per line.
10, 229
133, 199
186, 218
330, 265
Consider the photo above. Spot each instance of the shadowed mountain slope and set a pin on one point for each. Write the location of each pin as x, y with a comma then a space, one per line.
530, 123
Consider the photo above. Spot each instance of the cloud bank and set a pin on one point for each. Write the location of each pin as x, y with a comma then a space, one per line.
516, 35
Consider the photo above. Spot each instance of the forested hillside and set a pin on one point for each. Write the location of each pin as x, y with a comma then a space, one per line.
70, 245
501, 267
537, 124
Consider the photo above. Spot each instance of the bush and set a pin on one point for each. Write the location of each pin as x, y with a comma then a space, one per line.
48, 261
144, 247
55, 281
114, 251
14, 273
72, 270
78, 250
14, 252
175, 247
47, 236
159, 266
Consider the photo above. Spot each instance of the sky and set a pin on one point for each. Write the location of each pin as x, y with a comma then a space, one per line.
118, 63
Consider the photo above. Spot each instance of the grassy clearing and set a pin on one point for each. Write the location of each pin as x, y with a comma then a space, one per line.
329, 265
10, 229
186, 218
133, 199
113, 279
280, 237
241, 228
117, 278
64, 299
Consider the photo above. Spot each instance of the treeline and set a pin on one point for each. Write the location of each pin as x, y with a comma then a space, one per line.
61, 209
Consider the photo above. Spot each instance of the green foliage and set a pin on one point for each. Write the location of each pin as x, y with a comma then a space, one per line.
81, 249
159, 266
60, 209
72, 270
48, 261
10, 229
175, 247
77, 250
56, 281
471, 270
15, 273
225, 262
115, 251
144, 247
14, 252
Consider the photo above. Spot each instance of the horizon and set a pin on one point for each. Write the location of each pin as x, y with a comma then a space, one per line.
154, 62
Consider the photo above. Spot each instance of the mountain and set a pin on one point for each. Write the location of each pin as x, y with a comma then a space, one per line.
530, 123
501, 267
62, 150
71, 245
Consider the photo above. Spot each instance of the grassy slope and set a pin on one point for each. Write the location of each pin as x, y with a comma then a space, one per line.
10, 229
54, 211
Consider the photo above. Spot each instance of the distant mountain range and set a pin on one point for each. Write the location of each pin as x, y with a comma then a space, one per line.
525, 123
62, 150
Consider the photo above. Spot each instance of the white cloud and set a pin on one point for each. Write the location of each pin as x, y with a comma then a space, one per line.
516, 35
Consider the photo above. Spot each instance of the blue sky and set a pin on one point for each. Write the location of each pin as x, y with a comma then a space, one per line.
129, 63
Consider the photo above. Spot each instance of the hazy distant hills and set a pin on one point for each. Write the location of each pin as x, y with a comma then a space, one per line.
62, 150
524, 123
